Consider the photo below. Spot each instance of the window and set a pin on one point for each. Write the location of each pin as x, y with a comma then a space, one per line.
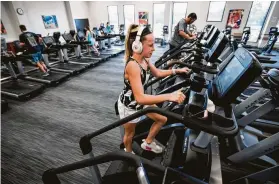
129, 15
216, 11
256, 19
113, 17
158, 19
179, 12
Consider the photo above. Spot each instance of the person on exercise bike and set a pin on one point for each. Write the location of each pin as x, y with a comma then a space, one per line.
139, 46
32, 42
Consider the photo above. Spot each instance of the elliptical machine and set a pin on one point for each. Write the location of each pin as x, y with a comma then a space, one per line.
273, 34
232, 42
193, 29
245, 36
268, 47
222, 91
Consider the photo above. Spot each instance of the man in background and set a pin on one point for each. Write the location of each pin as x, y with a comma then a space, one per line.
181, 32
31, 42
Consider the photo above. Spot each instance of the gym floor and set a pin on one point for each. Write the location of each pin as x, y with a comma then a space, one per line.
44, 132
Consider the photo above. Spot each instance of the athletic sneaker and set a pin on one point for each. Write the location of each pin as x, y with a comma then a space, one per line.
45, 74
130, 152
151, 147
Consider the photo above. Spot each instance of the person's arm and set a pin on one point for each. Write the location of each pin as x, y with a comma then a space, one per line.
133, 72
185, 35
158, 73
181, 31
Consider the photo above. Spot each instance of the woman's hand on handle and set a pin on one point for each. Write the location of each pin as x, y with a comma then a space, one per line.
177, 96
182, 70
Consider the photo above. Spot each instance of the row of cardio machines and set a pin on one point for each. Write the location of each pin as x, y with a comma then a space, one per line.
110, 37
269, 119
264, 54
21, 84
267, 48
104, 38
216, 149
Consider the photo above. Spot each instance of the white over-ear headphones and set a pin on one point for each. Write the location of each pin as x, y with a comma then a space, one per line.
137, 45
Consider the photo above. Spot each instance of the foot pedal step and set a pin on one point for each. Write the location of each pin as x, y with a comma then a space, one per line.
173, 151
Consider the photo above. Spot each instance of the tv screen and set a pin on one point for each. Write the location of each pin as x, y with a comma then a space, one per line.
48, 40
229, 75
68, 37
81, 24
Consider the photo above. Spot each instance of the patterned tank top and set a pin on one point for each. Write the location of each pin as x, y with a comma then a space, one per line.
127, 96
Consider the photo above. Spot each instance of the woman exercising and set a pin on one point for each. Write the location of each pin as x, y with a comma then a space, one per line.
139, 46
91, 40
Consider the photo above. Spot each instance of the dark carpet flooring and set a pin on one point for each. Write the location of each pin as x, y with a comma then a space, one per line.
44, 132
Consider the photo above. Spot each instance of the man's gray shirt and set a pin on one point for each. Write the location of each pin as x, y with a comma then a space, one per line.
176, 38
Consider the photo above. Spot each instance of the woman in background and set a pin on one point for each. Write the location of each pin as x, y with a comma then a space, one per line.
91, 40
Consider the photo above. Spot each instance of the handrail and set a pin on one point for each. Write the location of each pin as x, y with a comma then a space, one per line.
50, 176
185, 49
85, 143
211, 125
171, 51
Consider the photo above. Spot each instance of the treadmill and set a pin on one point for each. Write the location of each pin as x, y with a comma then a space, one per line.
101, 57
112, 34
62, 65
66, 47
88, 60
120, 40
101, 40
110, 49
54, 77
12, 87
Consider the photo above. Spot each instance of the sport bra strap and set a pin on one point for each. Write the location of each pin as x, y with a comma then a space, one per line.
135, 61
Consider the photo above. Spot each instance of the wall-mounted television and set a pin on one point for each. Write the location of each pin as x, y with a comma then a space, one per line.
81, 24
